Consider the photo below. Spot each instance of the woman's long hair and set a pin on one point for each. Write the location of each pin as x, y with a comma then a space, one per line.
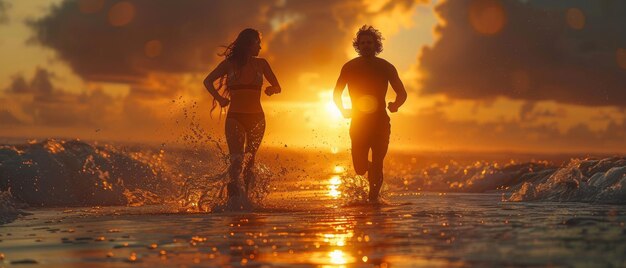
237, 54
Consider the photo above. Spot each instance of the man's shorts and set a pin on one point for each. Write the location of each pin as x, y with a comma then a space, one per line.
369, 132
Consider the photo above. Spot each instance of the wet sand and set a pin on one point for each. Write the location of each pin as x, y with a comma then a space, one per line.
418, 230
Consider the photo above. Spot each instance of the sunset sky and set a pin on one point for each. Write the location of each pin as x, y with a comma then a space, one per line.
482, 75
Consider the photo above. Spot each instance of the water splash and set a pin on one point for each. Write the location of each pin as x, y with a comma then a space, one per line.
206, 190
355, 190
588, 180
76, 173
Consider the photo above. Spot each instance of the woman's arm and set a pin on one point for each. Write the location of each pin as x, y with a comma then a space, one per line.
218, 72
269, 75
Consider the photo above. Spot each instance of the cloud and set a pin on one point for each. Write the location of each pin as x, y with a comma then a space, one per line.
40, 84
126, 41
566, 51
436, 131
529, 112
7, 118
46, 105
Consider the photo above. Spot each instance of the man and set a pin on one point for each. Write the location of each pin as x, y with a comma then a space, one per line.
367, 77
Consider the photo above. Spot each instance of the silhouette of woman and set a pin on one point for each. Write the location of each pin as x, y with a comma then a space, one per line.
242, 74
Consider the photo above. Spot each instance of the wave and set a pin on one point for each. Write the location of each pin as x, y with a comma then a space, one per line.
76, 173
589, 180
67, 173
478, 177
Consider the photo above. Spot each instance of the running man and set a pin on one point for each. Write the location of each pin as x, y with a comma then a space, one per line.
367, 77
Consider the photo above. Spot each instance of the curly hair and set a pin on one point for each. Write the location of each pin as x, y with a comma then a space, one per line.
369, 30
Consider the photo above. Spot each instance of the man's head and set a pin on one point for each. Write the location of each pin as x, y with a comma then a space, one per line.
368, 41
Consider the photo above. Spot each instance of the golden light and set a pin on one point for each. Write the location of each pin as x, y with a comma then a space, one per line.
575, 18
329, 107
333, 187
487, 16
338, 239
337, 257
332, 110
335, 180
333, 192
121, 14
339, 169
366, 104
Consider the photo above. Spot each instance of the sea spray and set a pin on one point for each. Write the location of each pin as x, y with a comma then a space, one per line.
75, 173
588, 180
206, 191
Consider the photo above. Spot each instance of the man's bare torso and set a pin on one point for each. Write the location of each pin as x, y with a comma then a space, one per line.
367, 79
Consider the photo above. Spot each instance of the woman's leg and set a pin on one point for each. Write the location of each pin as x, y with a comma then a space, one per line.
235, 137
254, 136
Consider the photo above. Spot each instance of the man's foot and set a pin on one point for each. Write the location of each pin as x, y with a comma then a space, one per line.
374, 193
373, 197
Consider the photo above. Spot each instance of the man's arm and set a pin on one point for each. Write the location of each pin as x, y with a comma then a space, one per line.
398, 87
339, 87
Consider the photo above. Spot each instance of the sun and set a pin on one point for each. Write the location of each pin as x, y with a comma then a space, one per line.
332, 110
329, 107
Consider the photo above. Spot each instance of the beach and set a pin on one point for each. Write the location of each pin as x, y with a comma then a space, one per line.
82, 204
416, 230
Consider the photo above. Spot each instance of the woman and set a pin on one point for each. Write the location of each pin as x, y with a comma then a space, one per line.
243, 73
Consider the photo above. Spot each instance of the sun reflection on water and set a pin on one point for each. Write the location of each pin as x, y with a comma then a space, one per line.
338, 239
333, 187
337, 256
339, 169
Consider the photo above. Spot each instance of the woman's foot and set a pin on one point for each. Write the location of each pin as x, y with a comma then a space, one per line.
248, 180
233, 189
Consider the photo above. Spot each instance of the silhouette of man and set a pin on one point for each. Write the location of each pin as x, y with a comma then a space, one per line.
367, 77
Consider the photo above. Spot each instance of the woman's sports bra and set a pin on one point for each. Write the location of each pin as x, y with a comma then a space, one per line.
233, 83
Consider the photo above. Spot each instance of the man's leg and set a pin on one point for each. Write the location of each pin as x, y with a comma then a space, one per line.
375, 173
380, 144
359, 158
360, 146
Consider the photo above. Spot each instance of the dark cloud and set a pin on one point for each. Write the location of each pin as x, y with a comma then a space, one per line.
49, 106
315, 34
112, 43
40, 84
87, 109
532, 50
174, 37
530, 112
18, 85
